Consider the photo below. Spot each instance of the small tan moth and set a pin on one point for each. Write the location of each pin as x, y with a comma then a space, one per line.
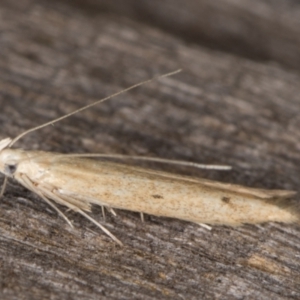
77, 181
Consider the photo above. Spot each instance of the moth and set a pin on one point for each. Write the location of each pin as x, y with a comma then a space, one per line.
78, 181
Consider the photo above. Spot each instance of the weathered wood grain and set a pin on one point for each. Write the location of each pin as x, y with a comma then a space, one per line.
220, 109
258, 29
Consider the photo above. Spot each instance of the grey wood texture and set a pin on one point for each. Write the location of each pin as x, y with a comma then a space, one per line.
257, 29
221, 109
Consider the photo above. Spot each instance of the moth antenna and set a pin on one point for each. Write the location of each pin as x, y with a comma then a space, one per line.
155, 159
91, 105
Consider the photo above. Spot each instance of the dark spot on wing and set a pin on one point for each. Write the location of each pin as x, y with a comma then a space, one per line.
226, 199
157, 196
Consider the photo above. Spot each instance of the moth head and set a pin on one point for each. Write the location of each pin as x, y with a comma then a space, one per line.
5, 143
8, 158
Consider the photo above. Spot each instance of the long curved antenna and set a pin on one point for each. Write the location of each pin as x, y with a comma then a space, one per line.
90, 105
155, 159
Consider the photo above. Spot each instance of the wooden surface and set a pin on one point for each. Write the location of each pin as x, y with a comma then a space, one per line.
257, 29
221, 109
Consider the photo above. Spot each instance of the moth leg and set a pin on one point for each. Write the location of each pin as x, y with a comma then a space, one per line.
24, 180
100, 226
45, 192
3, 187
205, 226
109, 210
103, 212
142, 217
55, 195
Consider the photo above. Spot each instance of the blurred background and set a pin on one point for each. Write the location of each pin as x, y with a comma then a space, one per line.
258, 29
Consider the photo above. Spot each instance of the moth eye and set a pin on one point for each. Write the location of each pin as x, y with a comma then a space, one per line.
10, 169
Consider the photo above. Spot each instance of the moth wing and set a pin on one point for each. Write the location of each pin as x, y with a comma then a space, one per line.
260, 193
92, 165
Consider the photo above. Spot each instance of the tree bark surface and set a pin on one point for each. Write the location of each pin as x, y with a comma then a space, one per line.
257, 29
